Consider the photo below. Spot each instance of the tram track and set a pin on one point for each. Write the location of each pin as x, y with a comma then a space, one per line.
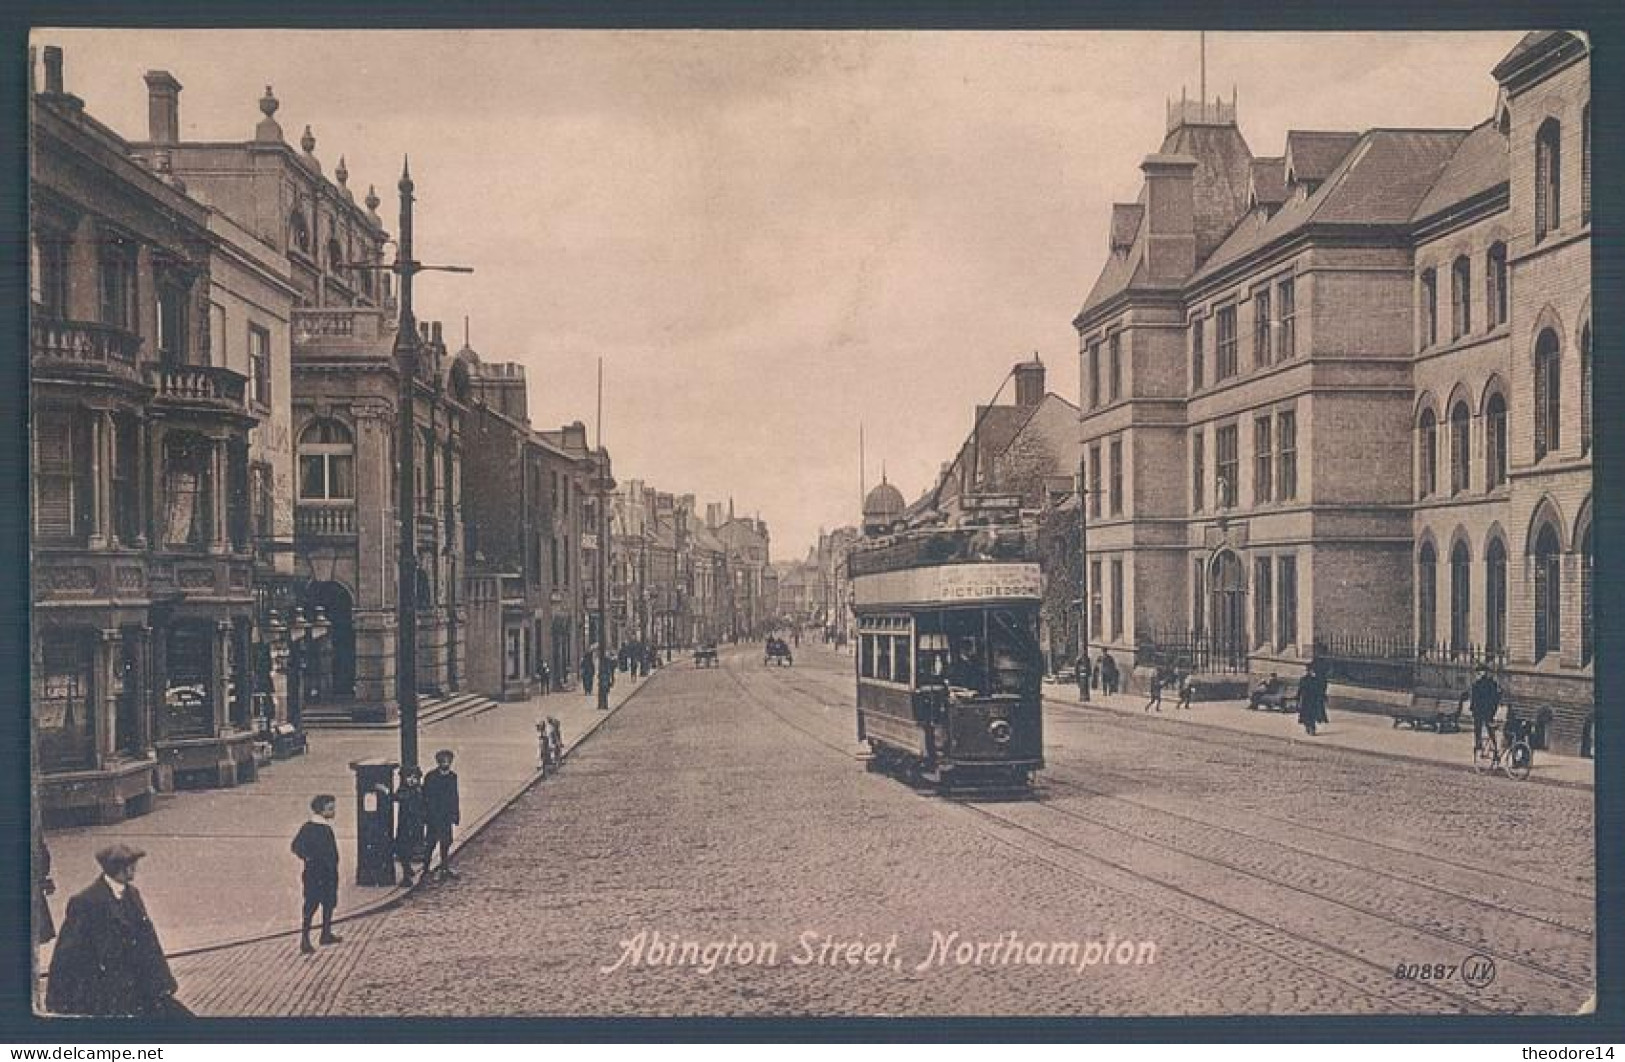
1028, 828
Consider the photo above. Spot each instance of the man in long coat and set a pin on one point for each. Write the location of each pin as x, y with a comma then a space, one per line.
108, 960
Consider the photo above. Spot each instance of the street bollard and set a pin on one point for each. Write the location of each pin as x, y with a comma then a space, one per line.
375, 821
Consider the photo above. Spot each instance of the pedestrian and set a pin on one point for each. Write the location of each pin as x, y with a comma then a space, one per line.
441, 808
1108, 672
44, 925
546, 678
411, 824
108, 960
1187, 689
318, 849
1157, 677
1312, 698
586, 673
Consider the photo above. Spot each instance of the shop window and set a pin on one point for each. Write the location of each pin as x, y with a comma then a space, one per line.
65, 700
189, 685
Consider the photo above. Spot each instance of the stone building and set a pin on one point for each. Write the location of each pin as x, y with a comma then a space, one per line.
1312, 380
344, 388
141, 546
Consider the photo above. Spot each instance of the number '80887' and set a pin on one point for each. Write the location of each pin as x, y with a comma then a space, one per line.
1425, 971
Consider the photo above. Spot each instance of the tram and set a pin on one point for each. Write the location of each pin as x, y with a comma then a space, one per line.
949, 667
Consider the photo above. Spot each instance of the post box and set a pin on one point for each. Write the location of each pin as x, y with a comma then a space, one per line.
374, 821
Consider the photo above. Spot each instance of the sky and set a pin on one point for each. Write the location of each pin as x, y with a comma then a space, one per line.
769, 238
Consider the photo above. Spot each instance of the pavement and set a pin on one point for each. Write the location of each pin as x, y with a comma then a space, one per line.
218, 868
1352, 731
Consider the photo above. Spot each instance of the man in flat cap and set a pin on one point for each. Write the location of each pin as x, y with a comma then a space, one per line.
108, 960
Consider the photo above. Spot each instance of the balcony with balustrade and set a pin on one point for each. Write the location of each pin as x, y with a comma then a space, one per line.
324, 523
81, 350
198, 388
342, 332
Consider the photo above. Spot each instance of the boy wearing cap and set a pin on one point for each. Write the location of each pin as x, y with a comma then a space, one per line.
108, 960
318, 848
441, 809
410, 824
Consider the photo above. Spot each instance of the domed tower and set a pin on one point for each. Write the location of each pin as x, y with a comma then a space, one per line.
882, 509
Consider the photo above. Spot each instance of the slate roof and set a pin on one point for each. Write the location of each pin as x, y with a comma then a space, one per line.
1224, 165
1381, 181
1312, 155
1531, 42
1479, 164
1269, 181
1126, 218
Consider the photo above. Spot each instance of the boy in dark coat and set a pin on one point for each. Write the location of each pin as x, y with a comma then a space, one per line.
108, 960
441, 809
411, 824
316, 846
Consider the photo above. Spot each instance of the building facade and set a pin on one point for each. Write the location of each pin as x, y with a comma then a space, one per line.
1345, 390
142, 553
345, 391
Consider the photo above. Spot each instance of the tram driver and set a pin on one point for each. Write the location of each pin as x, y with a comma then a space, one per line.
967, 670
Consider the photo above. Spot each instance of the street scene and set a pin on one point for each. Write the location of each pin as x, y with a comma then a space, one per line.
794, 524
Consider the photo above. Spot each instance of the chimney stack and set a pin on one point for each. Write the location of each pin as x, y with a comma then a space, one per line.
163, 107
53, 70
1170, 216
1030, 383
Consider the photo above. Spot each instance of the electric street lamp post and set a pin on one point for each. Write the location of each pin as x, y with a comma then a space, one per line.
406, 360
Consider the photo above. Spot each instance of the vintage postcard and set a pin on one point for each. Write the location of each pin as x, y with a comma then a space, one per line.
539, 523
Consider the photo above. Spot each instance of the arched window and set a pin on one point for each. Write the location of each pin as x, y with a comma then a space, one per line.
1461, 594
1548, 177
335, 258
1461, 297
1585, 388
1587, 648
1495, 284
1585, 165
299, 231
1430, 308
1460, 442
1548, 394
1495, 596
326, 462
1495, 441
1428, 441
1427, 596
1548, 559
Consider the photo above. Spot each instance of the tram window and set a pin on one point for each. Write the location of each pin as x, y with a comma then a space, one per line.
883, 657
932, 664
866, 656
900, 661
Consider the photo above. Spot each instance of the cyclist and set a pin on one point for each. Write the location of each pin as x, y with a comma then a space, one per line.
1484, 698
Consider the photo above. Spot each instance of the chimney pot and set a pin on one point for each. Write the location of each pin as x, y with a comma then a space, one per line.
53, 69
163, 107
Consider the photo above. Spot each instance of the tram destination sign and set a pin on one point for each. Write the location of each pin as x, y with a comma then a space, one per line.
948, 584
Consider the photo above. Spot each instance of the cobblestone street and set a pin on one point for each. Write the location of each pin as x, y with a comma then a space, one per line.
733, 806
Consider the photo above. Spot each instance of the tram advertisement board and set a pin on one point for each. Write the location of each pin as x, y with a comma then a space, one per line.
948, 584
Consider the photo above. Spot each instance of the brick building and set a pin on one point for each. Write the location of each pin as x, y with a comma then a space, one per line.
523, 524
140, 535
1312, 381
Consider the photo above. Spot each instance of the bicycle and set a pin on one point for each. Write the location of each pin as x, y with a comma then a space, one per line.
1516, 759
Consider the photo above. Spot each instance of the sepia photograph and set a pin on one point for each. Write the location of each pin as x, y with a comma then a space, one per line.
701, 523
